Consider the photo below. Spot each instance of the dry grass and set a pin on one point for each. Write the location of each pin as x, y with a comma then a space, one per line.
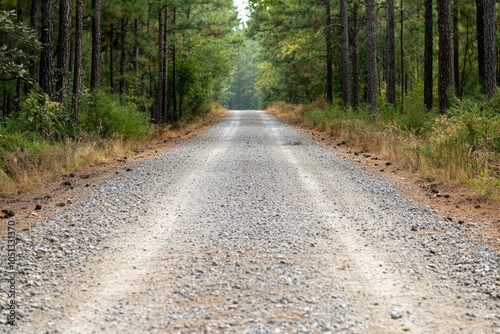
452, 162
25, 170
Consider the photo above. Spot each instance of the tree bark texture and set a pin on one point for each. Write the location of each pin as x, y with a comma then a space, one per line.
329, 53
355, 56
344, 40
371, 54
390, 62
159, 93
77, 72
445, 53
456, 53
95, 75
63, 47
489, 82
165, 67
428, 56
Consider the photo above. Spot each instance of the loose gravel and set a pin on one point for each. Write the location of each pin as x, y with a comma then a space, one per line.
251, 228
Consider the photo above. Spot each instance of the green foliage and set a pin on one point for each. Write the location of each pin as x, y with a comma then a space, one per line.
462, 145
243, 85
105, 116
17, 43
39, 116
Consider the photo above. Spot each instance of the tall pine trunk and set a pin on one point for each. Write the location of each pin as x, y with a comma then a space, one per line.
329, 53
446, 81
428, 55
344, 40
47, 52
160, 97
489, 82
95, 75
355, 56
390, 63
165, 67
175, 115
77, 72
371, 55
456, 51
63, 47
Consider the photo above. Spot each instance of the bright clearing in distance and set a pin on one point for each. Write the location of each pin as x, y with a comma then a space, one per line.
242, 9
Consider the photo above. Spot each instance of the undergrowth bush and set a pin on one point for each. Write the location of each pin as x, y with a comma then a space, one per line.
462, 146
104, 116
39, 116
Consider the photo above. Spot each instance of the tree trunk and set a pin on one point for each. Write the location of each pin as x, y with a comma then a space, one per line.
489, 83
345, 53
456, 52
165, 67
174, 72
390, 65
123, 57
47, 52
428, 56
445, 53
355, 56
77, 73
329, 54
371, 55
63, 46
159, 93
402, 51
95, 75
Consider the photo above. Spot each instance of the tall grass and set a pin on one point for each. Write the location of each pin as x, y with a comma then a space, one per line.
462, 147
40, 150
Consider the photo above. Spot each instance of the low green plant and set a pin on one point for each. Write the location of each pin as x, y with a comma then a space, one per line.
462, 146
39, 116
104, 116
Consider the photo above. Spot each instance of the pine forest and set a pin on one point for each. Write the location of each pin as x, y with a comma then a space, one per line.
416, 82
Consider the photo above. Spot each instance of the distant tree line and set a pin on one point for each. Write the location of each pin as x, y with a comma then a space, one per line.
354, 49
171, 58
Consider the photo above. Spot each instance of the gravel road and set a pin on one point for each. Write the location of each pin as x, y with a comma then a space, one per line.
251, 228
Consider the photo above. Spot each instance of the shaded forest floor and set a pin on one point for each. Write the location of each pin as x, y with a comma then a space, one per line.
450, 200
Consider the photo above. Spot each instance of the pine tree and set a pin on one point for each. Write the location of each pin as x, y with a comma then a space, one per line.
77, 72
428, 56
355, 55
445, 82
344, 40
95, 76
371, 54
489, 31
63, 47
390, 63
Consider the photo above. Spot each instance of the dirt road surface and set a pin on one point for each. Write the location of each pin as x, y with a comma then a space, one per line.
252, 228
